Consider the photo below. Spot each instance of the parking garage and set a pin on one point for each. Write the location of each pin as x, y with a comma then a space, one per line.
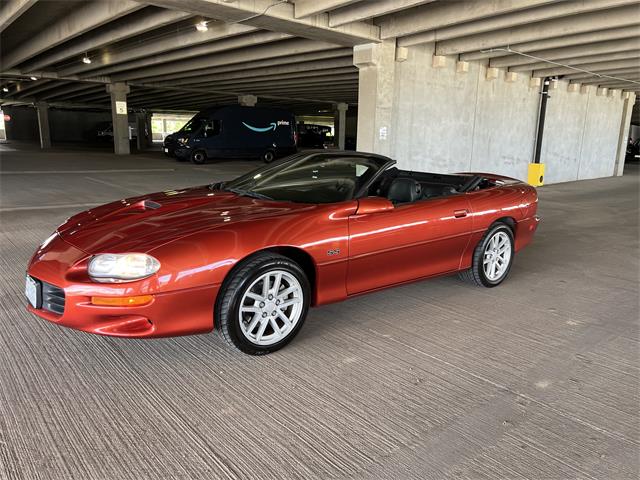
537, 378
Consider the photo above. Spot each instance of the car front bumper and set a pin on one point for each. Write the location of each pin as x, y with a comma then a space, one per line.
182, 153
169, 313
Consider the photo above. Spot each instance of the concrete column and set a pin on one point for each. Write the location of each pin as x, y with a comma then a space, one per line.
43, 124
376, 63
142, 141
149, 131
623, 138
247, 100
340, 124
119, 117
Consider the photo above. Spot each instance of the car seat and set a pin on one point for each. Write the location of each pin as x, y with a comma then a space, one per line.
404, 190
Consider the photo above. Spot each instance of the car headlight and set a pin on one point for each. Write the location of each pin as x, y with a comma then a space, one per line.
183, 140
122, 267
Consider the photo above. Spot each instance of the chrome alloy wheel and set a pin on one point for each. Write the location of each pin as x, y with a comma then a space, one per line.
271, 307
497, 256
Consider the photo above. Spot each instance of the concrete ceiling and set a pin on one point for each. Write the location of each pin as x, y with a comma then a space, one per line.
296, 52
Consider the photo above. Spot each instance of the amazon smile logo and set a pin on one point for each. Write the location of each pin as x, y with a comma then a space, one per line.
272, 126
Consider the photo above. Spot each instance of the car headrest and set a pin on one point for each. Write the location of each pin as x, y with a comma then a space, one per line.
404, 190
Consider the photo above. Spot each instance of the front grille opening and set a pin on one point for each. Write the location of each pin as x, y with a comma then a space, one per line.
52, 298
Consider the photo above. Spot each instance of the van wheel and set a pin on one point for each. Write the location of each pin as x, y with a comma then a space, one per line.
268, 156
199, 157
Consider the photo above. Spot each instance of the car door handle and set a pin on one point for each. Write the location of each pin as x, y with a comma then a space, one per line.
460, 213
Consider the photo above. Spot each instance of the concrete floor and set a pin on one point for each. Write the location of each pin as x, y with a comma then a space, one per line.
535, 379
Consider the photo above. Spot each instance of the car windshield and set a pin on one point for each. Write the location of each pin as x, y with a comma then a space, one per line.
310, 178
192, 125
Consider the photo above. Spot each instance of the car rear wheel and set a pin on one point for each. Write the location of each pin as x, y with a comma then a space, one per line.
268, 156
263, 304
198, 157
492, 258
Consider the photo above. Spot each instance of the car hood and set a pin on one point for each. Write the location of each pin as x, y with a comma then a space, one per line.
143, 223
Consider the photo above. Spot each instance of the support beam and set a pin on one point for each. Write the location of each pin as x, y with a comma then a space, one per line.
42, 110
592, 67
576, 51
559, 27
259, 52
539, 45
86, 94
67, 90
366, 10
38, 86
614, 83
577, 62
622, 72
82, 19
141, 22
250, 83
298, 61
288, 98
172, 47
442, 14
33, 101
119, 117
340, 124
12, 10
623, 135
197, 52
249, 78
307, 8
278, 17
545, 13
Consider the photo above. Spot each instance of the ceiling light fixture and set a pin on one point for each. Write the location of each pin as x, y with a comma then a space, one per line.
33, 78
202, 27
5, 89
86, 59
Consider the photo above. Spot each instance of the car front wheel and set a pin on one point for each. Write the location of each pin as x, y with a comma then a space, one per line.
264, 304
198, 157
492, 258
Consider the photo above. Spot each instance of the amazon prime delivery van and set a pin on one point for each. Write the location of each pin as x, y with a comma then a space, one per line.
234, 132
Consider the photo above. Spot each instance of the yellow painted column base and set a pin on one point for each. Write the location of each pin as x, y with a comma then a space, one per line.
536, 174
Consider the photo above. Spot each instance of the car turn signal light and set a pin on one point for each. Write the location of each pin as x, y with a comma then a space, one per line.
122, 301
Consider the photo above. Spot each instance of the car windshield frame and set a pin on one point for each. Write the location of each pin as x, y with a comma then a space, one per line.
193, 125
253, 183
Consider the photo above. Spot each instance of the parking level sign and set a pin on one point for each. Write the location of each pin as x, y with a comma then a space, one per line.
121, 108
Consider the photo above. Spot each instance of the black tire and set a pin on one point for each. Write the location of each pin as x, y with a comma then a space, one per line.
476, 275
268, 156
198, 157
227, 311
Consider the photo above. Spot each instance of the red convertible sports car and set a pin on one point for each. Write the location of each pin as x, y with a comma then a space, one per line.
250, 256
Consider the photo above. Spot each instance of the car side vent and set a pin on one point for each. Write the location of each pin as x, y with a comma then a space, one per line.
52, 298
151, 204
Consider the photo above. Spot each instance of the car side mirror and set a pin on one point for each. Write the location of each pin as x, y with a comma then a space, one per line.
373, 205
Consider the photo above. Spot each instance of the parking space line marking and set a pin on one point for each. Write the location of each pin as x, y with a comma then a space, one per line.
113, 185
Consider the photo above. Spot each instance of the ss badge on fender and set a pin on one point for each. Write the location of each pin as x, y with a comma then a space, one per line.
334, 251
